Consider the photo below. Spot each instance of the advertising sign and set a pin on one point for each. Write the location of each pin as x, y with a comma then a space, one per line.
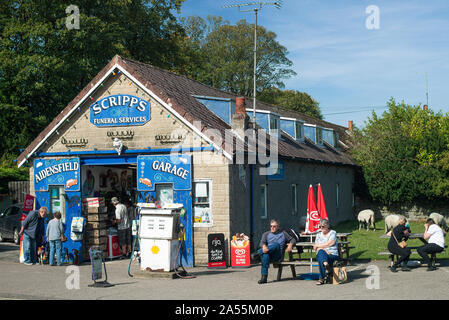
57, 172
240, 251
164, 169
28, 205
120, 110
216, 250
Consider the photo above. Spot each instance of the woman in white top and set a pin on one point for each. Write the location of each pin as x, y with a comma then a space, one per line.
435, 242
327, 250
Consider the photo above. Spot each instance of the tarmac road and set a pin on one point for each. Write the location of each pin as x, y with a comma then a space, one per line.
366, 281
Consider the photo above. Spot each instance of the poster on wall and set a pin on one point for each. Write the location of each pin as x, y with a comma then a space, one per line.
64, 172
202, 217
104, 179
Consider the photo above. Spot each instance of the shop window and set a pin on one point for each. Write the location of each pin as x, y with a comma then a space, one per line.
294, 199
164, 193
57, 202
202, 203
263, 201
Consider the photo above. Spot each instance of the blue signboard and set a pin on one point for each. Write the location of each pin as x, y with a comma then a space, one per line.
120, 110
174, 169
57, 172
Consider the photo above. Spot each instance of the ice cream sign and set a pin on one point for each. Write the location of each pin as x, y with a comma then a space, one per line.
64, 172
120, 110
164, 169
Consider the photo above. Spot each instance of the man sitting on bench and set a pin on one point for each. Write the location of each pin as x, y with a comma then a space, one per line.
435, 244
272, 244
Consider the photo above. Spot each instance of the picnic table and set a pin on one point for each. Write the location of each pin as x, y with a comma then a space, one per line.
343, 248
419, 236
343, 243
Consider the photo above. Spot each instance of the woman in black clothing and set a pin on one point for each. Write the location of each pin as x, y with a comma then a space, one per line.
399, 233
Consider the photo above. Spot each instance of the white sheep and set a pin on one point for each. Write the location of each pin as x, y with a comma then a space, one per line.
439, 220
392, 221
366, 218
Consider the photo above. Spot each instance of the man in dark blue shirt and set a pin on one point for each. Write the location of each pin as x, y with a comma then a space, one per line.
271, 244
33, 231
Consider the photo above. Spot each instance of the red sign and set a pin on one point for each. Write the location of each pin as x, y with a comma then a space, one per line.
240, 251
28, 205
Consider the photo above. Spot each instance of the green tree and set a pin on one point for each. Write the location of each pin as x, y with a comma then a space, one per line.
223, 55
404, 154
44, 64
292, 99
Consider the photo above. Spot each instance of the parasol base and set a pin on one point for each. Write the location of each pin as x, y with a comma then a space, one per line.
309, 276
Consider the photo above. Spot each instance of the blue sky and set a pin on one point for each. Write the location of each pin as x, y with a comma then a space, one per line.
348, 68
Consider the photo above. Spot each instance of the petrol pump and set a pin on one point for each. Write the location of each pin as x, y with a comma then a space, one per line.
159, 231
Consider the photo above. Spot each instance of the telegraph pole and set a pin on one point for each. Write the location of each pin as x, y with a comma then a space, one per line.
258, 6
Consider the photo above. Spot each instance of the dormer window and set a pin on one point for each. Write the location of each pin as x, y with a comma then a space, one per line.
330, 136
310, 131
268, 120
222, 107
293, 127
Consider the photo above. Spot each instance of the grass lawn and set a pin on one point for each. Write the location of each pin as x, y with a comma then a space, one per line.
368, 243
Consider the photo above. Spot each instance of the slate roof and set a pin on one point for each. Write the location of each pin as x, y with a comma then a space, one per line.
178, 90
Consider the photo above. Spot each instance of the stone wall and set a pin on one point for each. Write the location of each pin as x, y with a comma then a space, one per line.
413, 211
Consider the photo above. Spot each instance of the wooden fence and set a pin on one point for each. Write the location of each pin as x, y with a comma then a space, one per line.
18, 190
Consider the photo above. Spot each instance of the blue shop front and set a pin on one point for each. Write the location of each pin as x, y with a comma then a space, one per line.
66, 181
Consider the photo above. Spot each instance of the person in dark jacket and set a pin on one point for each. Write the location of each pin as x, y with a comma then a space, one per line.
271, 246
399, 233
33, 232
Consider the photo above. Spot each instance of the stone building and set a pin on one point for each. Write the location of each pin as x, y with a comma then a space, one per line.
133, 116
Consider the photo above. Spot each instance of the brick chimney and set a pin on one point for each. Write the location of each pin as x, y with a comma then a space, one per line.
239, 120
350, 125
425, 107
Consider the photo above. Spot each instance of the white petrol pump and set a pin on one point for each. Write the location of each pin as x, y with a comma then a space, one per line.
159, 230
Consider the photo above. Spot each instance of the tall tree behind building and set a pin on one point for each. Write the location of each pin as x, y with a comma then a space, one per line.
44, 64
221, 55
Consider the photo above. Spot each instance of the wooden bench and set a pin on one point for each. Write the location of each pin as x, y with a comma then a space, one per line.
433, 256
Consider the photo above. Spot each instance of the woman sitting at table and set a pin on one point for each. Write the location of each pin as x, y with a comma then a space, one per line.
327, 251
399, 233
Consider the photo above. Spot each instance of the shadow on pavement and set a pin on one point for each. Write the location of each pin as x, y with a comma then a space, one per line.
9, 247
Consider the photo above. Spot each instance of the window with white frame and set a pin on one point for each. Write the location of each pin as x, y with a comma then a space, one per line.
263, 201
202, 203
294, 199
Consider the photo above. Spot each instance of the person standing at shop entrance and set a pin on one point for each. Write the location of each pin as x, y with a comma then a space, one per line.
123, 226
33, 231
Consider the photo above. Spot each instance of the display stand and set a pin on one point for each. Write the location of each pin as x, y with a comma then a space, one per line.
97, 259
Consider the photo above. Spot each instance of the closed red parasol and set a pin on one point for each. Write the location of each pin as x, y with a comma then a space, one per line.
313, 217
321, 204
